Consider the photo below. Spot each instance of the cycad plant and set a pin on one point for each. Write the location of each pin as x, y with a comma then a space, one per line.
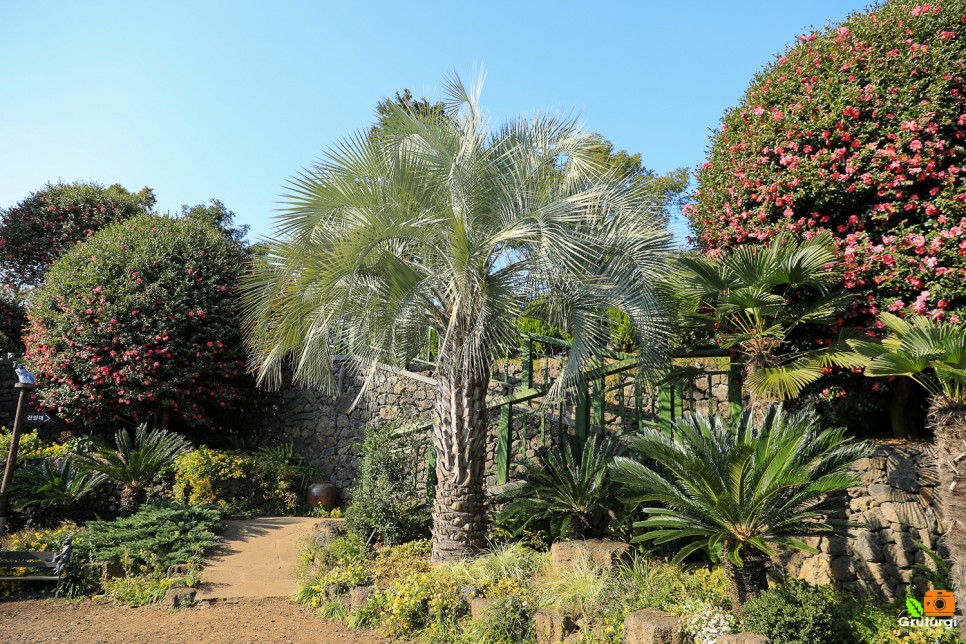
738, 492
933, 354
753, 299
442, 222
51, 486
568, 491
135, 462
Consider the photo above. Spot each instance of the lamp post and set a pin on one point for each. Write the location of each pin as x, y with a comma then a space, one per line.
25, 389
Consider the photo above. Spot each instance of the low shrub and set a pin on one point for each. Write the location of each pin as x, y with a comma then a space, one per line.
506, 621
142, 590
32, 446
422, 601
267, 481
796, 613
386, 502
157, 536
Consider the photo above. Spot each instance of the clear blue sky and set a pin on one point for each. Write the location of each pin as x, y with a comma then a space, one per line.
224, 99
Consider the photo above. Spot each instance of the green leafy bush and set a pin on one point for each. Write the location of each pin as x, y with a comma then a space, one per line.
158, 536
140, 322
40, 228
386, 502
796, 613
506, 621
272, 479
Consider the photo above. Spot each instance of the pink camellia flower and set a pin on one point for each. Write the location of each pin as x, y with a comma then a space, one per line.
897, 305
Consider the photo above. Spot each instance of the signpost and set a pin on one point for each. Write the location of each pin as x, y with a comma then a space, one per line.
18, 422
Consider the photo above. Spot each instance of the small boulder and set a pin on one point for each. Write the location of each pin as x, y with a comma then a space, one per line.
329, 530
359, 595
178, 570
179, 597
552, 627
652, 627
479, 606
604, 553
743, 638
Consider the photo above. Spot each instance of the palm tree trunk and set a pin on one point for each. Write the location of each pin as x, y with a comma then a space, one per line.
131, 500
756, 404
747, 581
460, 428
949, 427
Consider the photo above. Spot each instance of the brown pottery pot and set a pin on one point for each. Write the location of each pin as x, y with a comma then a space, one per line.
322, 494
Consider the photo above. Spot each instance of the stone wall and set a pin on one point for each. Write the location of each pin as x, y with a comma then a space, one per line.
895, 507
894, 504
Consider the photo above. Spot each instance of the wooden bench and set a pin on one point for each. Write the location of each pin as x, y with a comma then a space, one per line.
42, 561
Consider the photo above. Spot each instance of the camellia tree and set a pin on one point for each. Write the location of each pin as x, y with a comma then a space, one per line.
442, 223
39, 229
140, 323
857, 130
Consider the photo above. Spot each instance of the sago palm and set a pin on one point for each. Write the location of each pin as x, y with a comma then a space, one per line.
753, 298
438, 222
739, 491
52, 486
934, 355
567, 489
135, 462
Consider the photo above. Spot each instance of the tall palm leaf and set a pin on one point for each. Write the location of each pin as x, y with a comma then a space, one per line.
933, 354
754, 298
135, 462
443, 223
739, 491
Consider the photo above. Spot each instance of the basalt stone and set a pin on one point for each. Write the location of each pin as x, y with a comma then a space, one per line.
179, 597
603, 553
742, 638
652, 627
479, 606
552, 627
359, 595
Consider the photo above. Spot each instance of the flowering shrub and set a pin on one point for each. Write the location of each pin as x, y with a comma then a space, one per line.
32, 447
140, 322
858, 130
705, 623
237, 480
39, 229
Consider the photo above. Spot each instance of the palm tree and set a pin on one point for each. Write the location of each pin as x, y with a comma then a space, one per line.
136, 462
755, 297
739, 492
933, 354
567, 489
437, 222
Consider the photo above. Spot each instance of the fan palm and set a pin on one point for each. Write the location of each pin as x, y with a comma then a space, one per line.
135, 462
754, 298
567, 489
438, 222
933, 354
741, 491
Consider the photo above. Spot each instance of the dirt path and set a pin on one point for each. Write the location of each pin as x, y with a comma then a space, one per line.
256, 559
244, 620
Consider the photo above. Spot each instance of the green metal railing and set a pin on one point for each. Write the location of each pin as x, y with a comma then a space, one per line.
614, 394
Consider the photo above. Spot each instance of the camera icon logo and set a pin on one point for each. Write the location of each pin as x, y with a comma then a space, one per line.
939, 603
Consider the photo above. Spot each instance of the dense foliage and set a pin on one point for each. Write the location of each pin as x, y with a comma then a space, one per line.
737, 492
265, 481
141, 322
566, 492
158, 536
386, 503
40, 228
857, 130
